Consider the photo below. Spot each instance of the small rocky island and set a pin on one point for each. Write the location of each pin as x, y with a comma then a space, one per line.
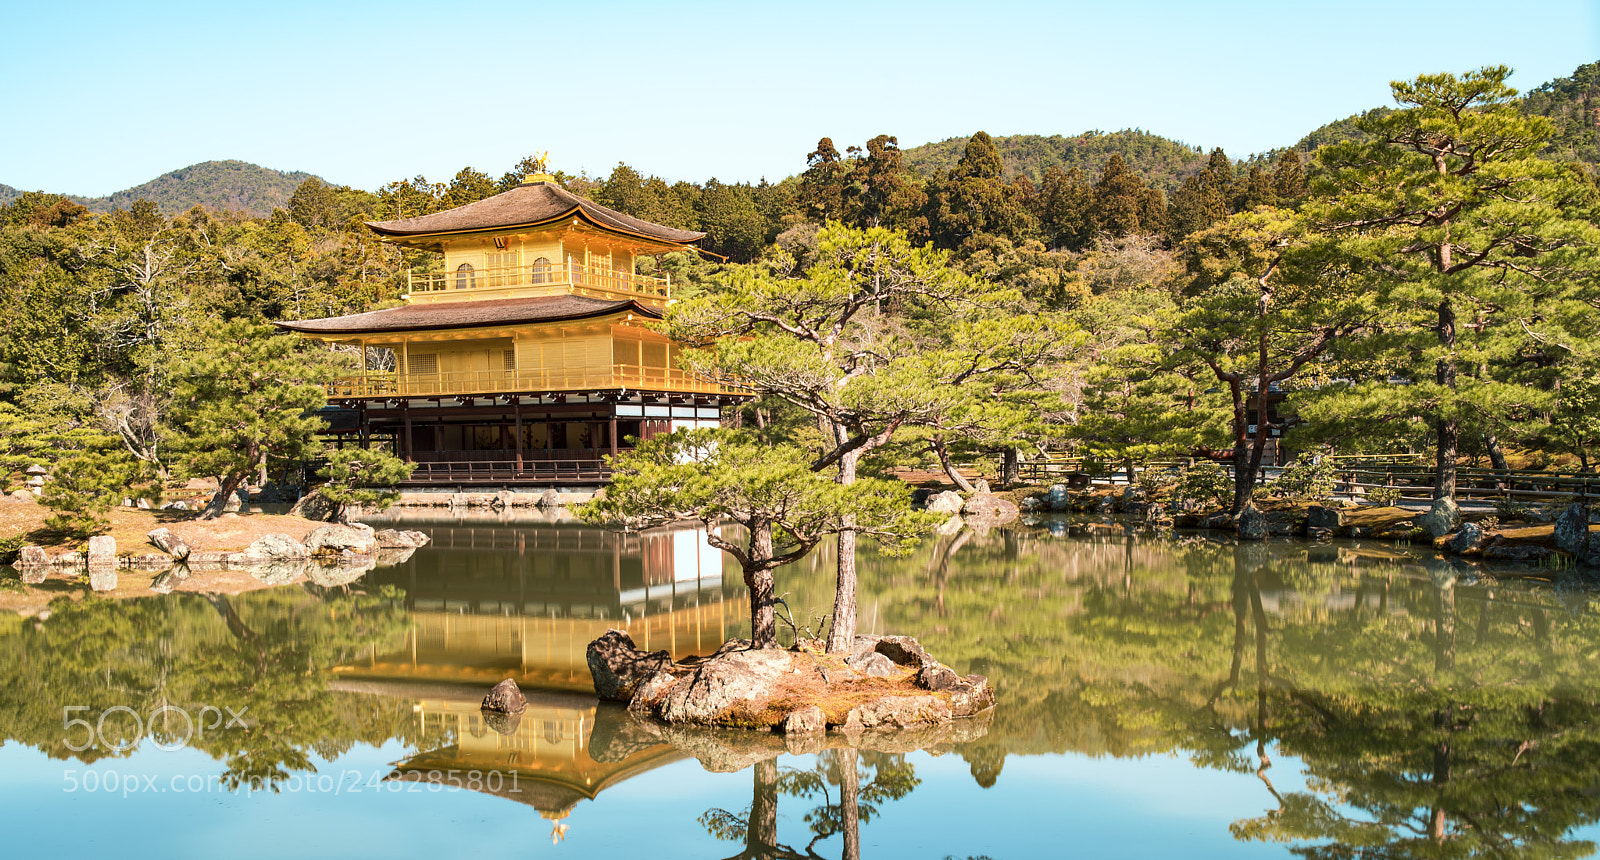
886, 682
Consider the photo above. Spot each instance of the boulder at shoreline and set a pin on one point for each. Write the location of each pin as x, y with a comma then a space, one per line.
799, 689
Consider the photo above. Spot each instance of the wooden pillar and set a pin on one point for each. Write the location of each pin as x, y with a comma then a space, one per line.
613, 432
366, 428
405, 410
517, 411
402, 373
438, 436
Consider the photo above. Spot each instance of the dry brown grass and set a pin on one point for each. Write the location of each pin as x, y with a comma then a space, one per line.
1543, 534
130, 525
1378, 519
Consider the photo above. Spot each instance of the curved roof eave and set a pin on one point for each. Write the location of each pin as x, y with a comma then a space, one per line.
527, 206
374, 322
576, 211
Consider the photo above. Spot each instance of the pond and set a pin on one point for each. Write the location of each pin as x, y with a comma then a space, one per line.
1159, 697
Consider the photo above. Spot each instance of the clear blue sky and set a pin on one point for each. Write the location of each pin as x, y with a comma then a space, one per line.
102, 96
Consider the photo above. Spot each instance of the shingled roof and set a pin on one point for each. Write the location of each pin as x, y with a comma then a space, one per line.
447, 315
528, 205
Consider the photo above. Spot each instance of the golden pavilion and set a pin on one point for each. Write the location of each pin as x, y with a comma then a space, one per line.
529, 355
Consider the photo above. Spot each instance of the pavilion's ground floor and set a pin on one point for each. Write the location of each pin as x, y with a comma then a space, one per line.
515, 439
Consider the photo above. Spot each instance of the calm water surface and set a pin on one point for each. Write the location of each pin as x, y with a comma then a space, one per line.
1159, 697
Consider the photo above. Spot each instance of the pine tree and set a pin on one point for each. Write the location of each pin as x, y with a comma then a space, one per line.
1135, 402
1447, 199
1202, 200
973, 199
1258, 189
731, 220
880, 191
85, 485
362, 478
469, 186
822, 184
1187, 211
313, 204
1289, 178
408, 198
1275, 304
980, 160
246, 395
718, 476
1121, 204
625, 191
1218, 181
860, 342
1065, 204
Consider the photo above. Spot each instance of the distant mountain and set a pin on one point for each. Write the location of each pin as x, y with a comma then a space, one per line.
1338, 130
236, 186
1572, 103
1158, 160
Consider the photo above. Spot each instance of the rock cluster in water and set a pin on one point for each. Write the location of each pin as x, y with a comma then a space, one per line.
331, 555
887, 682
979, 510
1442, 525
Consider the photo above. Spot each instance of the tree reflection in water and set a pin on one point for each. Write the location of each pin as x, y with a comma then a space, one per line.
1492, 752
263, 655
1436, 711
835, 779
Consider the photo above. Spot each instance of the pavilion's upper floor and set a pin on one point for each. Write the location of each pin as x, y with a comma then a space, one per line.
537, 239
537, 293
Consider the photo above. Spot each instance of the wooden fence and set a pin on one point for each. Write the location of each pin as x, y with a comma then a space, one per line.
1411, 474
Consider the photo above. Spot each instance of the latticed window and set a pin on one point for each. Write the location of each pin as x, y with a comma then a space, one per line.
540, 270
424, 364
511, 359
503, 269
466, 278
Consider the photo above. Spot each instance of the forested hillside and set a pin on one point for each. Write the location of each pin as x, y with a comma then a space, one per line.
1572, 104
221, 186
1157, 160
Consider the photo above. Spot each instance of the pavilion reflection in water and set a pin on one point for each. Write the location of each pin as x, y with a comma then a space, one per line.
492, 602
541, 757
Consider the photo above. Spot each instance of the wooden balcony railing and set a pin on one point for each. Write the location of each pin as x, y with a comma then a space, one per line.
451, 384
542, 279
506, 470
